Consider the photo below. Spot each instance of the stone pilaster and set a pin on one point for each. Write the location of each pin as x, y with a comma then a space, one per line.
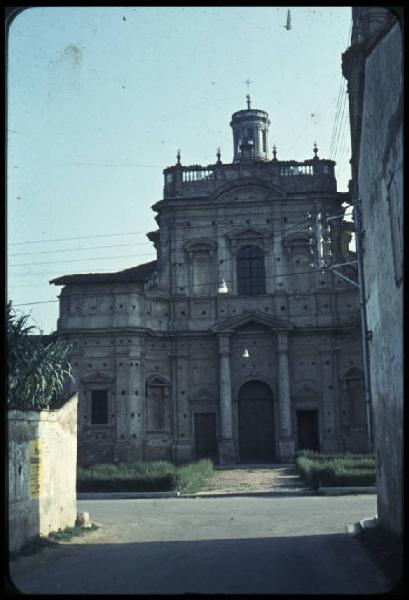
136, 395
226, 444
330, 436
121, 448
183, 447
286, 442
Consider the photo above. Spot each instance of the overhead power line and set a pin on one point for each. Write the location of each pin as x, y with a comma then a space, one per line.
187, 287
80, 249
59, 262
84, 237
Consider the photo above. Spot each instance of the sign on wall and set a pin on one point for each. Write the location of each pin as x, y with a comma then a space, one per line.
36, 468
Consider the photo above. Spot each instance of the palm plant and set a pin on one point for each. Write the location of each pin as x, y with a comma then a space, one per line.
37, 366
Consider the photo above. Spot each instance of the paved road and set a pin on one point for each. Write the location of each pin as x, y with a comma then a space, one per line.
210, 545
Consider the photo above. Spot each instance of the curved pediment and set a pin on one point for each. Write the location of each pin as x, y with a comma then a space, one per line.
199, 244
96, 377
243, 320
248, 188
298, 238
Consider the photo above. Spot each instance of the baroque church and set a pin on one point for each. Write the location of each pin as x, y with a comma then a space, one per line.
230, 345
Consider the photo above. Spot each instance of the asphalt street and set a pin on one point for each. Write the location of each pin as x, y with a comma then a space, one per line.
247, 545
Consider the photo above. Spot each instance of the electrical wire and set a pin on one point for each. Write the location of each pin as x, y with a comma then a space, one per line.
286, 231
59, 262
210, 283
85, 237
80, 249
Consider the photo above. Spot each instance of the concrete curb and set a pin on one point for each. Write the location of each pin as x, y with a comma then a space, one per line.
267, 494
345, 491
356, 528
125, 495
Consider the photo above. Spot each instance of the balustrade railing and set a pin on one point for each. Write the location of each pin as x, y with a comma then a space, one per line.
190, 175
291, 170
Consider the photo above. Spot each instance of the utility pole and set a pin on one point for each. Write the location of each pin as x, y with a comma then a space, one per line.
321, 258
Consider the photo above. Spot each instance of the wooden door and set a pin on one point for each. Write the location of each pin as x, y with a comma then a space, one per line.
256, 423
308, 430
205, 436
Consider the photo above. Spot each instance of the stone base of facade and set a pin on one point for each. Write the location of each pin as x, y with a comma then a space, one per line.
122, 453
286, 450
136, 452
331, 445
227, 454
182, 452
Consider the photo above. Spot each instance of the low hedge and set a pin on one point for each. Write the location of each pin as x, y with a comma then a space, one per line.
128, 484
336, 470
153, 476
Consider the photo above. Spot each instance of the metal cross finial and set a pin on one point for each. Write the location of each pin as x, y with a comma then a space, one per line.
248, 82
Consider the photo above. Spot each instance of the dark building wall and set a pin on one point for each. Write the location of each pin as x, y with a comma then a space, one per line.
373, 66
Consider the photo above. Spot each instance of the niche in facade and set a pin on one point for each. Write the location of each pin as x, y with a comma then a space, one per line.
157, 404
353, 397
300, 278
201, 269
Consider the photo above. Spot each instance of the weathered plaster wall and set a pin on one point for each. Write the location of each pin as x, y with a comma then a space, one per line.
381, 193
42, 485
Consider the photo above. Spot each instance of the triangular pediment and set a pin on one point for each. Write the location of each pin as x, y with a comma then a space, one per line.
248, 232
97, 377
202, 395
251, 316
352, 373
305, 391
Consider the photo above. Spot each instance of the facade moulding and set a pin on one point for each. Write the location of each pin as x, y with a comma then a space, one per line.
231, 324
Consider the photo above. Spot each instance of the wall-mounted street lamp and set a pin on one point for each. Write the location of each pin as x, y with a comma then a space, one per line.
223, 289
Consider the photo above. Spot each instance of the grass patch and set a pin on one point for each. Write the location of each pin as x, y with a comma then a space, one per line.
192, 477
140, 476
39, 542
336, 469
69, 532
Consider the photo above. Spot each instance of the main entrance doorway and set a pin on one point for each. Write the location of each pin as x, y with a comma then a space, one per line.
256, 423
308, 430
205, 436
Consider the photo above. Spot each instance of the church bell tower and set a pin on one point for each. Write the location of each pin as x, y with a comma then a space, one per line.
250, 134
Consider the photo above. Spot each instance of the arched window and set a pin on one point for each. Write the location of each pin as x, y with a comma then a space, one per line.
251, 277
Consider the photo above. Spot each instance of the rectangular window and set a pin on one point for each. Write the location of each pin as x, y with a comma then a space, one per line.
99, 407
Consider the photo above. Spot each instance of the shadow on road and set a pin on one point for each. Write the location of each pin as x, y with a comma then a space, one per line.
318, 564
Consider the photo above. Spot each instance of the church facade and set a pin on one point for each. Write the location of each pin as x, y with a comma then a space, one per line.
230, 345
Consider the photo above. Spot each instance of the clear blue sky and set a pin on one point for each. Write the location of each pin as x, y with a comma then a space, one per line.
99, 100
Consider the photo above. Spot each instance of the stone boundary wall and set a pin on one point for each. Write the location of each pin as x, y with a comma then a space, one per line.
42, 471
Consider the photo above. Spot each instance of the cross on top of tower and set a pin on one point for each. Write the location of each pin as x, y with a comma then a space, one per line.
248, 83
